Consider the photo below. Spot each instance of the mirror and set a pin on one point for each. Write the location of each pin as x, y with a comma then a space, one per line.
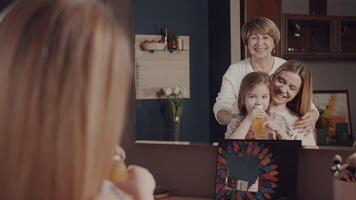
208, 25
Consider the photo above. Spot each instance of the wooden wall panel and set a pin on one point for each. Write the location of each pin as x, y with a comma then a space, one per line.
271, 9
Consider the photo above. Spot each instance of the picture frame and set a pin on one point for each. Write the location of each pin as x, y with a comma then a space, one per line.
257, 169
333, 127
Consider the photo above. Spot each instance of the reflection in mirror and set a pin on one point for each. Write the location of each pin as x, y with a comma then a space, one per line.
182, 49
209, 57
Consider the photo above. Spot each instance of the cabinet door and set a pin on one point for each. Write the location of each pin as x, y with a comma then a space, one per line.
264, 8
347, 36
309, 36
306, 37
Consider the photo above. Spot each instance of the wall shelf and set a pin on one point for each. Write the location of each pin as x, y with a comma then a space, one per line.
157, 69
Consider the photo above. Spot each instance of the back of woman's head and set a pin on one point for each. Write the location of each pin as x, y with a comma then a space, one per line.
250, 81
62, 66
302, 101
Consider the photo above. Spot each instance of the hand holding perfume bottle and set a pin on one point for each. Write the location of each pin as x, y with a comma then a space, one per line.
133, 180
119, 170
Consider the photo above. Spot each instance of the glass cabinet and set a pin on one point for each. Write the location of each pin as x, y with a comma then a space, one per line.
305, 36
348, 36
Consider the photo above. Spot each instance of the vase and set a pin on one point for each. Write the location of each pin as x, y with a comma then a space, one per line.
176, 127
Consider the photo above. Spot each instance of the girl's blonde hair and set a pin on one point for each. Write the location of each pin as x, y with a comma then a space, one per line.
250, 81
260, 25
302, 101
65, 79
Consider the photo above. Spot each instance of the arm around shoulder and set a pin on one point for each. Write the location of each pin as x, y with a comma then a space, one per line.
226, 97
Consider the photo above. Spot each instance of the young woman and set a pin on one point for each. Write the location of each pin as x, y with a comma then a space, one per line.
65, 81
293, 90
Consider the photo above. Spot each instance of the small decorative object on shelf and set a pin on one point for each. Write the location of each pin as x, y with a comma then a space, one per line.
172, 42
347, 171
153, 45
165, 36
168, 41
175, 97
344, 177
180, 44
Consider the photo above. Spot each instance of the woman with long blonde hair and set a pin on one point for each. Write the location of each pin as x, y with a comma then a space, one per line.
293, 89
65, 80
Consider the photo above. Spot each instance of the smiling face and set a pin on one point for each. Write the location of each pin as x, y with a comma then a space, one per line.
260, 45
286, 86
257, 97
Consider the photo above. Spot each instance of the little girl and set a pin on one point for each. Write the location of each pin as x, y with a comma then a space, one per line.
253, 102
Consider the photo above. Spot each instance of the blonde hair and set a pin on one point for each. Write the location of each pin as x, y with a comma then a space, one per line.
302, 101
62, 66
260, 25
250, 81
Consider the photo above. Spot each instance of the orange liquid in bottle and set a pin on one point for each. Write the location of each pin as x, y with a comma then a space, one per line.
119, 171
260, 129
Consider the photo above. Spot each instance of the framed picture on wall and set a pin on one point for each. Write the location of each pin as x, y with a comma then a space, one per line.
334, 124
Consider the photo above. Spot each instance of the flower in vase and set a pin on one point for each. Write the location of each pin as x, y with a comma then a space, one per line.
167, 91
177, 90
175, 98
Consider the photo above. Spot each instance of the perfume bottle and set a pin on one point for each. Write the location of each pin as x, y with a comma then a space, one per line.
165, 36
119, 171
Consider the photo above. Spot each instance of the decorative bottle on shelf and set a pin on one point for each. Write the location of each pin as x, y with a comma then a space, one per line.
165, 37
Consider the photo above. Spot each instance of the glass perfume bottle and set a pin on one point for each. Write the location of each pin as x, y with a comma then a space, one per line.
119, 170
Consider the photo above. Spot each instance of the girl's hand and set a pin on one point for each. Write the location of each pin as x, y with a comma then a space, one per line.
256, 113
272, 125
140, 183
278, 132
307, 122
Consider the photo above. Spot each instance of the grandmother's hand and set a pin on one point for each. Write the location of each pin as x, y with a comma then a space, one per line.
307, 122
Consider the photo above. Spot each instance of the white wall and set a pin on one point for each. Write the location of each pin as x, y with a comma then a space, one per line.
295, 6
235, 31
336, 75
341, 7
334, 7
